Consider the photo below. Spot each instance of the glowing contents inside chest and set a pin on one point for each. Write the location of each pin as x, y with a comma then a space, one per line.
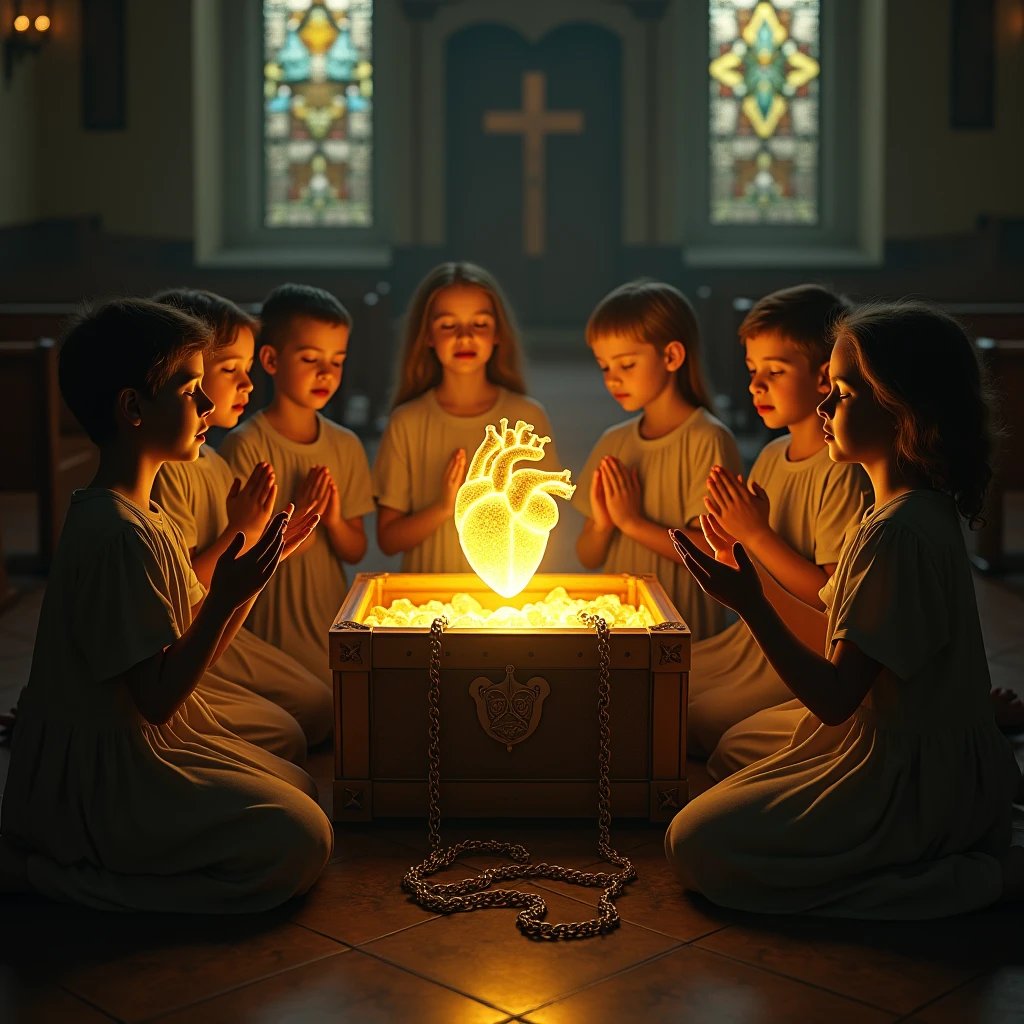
557, 609
504, 516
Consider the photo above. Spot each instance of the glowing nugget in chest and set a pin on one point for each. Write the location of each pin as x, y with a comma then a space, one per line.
504, 515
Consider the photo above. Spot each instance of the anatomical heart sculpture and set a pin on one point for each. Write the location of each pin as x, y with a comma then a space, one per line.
503, 515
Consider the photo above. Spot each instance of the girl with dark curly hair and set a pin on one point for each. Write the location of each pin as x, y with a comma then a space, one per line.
892, 797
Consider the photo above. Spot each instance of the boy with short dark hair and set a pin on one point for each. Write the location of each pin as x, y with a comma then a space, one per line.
125, 791
791, 514
303, 343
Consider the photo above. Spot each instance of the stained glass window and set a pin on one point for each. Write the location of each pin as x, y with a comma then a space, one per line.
764, 111
318, 113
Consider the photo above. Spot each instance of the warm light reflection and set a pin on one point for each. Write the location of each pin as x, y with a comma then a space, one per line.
558, 609
21, 23
42, 23
504, 517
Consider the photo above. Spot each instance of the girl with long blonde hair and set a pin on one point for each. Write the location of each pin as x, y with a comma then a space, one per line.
459, 371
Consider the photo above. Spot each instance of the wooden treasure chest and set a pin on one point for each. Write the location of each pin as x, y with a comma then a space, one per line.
518, 700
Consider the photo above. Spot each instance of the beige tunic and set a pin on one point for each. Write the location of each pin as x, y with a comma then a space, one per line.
904, 810
417, 444
673, 475
194, 495
813, 504
297, 607
121, 814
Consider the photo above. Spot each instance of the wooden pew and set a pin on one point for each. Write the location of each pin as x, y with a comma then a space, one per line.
37, 454
1004, 361
1003, 321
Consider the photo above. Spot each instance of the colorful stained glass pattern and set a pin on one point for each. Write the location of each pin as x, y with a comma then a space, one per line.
318, 113
764, 114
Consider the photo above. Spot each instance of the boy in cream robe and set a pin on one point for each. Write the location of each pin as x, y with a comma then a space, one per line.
317, 463
792, 514
210, 504
125, 790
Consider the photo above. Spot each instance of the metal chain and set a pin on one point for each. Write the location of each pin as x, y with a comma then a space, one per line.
475, 893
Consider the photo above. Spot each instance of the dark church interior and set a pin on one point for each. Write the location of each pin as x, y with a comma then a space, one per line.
728, 150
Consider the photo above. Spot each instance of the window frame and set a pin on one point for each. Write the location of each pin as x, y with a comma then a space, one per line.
850, 141
230, 163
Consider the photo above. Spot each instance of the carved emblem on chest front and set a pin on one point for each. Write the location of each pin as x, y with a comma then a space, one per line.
509, 711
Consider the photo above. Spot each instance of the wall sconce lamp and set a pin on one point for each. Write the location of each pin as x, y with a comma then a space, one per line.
28, 31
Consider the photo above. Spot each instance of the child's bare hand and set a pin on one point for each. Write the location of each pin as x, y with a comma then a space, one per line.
237, 578
741, 509
453, 478
598, 504
622, 493
720, 542
297, 530
739, 588
250, 506
332, 512
314, 490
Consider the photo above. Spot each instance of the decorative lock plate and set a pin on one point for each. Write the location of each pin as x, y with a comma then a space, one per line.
509, 711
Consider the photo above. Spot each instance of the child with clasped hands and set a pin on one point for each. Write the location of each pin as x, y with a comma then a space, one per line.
791, 513
892, 797
458, 373
303, 345
125, 790
649, 471
264, 694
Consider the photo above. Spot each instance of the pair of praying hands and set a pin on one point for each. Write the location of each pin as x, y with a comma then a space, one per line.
615, 495
319, 492
739, 510
250, 506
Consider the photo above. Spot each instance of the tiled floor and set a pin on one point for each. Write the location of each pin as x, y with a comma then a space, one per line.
356, 949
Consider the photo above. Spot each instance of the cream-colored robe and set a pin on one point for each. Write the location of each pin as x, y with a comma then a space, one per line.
297, 607
673, 475
120, 814
904, 810
194, 495
813, 503
417, 444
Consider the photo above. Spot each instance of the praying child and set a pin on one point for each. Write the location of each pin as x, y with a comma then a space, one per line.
892, 798
125, 790
304, 335
791, 514
210, 505
458, 373
651, 470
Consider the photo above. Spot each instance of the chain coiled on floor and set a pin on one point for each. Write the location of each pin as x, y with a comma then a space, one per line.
475, 893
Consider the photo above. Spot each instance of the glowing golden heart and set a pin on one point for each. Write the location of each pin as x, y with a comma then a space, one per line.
504, 516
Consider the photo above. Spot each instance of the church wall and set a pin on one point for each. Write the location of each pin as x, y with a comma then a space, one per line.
17, 139
939, 180
139, 180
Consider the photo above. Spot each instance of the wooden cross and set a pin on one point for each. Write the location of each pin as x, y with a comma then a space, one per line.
534, 123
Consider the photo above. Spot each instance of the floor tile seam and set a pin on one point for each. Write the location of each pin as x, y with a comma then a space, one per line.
945, 995
433, 981
359, 945
637, 924
342, 948
90, 1003
607, 977
800, 981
